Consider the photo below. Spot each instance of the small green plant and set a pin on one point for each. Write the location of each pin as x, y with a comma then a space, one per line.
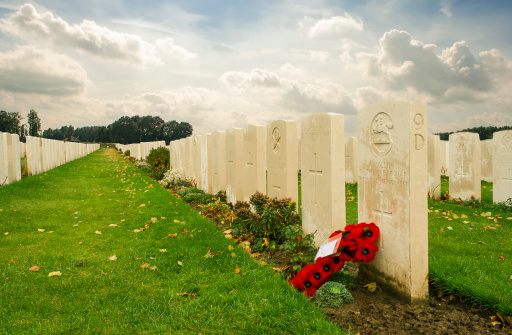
159, 161
127, 153
175, 178
333, 295
216, 210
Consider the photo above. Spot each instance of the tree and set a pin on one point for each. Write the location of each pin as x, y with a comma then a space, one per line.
148, 128
34, 123
124, 131
23, 133
10, 122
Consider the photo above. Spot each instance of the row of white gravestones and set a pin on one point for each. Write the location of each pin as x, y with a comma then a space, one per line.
140, 150
465, 166
10, 169
392, 192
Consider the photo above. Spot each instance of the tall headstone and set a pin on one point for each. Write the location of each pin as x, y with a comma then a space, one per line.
3, 178
282, 151
351, 160
434, 166
444, 149
323, 175
206, 163
218, 161
465, 166
234, 165
196, 159
502, 174
7, 158
255, 161
392, 193
16, 156
487, 149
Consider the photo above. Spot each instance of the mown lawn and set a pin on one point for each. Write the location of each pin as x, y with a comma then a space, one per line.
82, 222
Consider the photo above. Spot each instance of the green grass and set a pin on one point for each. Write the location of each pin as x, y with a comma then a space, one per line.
464, 252
96, 295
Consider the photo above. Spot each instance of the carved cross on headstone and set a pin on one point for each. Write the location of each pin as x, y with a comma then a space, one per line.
315, 173
383, 212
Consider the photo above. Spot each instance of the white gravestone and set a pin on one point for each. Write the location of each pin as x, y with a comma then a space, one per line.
282, 151
3, 178
392, 191
7, 159
502, 175
206, 163
218, 161
16, 165
323, 175
434, 166
196, 160
255, 161
444, 148
234, 165
465, 166
487, 159
351, 160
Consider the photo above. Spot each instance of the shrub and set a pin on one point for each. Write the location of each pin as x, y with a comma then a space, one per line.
127, 153
159, 160
333, 295
216, 210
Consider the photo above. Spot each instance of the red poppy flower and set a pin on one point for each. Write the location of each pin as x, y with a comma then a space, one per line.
370, 231
337, 263
300, 279
336, 233
347, 244
366, 252
355, 231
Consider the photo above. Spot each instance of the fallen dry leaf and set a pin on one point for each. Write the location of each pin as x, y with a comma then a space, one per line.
112, 258
41, 230
173, 235
154, 219
80, 243
237, 270
163, 250
97, 232
233, 254
449, 228
54, 273
176, 221
112, 225
34, 268
180, 263
145, 265
502, 258
230, 247
137, 230
209, 253
153, 267
371, 286
442, 230
147, 226
184, 231
232, 292
142, 205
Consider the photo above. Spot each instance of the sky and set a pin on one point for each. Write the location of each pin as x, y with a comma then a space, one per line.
219, 64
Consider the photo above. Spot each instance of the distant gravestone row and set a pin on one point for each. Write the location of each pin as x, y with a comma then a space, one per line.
42, 155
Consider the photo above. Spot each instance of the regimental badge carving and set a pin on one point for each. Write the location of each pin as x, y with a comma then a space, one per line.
276, 137
461, 143
381, 140
506, 142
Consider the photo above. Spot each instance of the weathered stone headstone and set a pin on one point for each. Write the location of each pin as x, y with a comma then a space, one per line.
465, 166
323, 175
7, 159
16, 165
502, 175
282, 151
3, 178
255, 162
434, 166
445, 157
487, 149
392, 192
196, 160
218, 161
234, 165
351, 160
206, 163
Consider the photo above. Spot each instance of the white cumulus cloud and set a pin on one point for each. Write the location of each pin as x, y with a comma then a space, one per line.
87, 37
41, 71
336, 24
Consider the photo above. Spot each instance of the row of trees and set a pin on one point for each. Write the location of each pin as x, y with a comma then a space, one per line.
147, 128
10, 122
485, 133
125, 130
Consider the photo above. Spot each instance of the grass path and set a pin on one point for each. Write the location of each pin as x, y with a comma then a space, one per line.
115, 280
